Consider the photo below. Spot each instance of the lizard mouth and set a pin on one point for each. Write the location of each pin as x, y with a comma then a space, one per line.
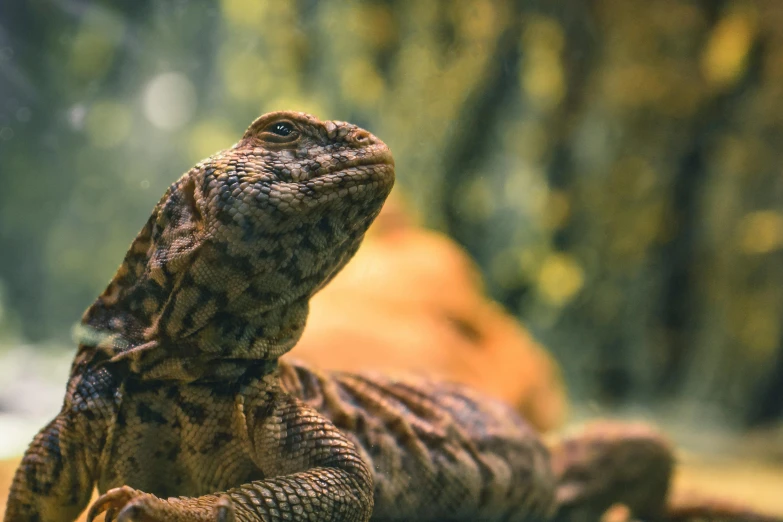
382, 157
380, 163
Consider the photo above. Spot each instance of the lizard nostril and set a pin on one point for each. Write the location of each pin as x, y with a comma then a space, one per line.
361, 137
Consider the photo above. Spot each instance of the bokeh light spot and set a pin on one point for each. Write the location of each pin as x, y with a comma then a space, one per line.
761, 232
725, 56
169, 101
560, 278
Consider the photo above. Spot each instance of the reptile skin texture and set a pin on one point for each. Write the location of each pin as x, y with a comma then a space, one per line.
178, 409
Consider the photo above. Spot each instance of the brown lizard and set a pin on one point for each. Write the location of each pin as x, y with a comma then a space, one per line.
178, 408
175, 390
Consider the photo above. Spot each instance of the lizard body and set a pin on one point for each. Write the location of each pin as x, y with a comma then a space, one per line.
178, 408
175, 390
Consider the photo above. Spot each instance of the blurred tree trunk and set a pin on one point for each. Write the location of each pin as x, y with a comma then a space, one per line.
668, 301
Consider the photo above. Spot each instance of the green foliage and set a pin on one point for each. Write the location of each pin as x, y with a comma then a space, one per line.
612, 165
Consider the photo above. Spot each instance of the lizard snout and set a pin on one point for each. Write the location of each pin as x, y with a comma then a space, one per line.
362, 138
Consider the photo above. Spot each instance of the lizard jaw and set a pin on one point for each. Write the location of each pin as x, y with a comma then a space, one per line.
380, 159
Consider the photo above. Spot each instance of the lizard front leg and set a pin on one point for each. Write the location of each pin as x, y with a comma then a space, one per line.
54, 481
314, 472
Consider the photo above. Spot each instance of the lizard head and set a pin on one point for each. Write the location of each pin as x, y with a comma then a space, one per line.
223, 270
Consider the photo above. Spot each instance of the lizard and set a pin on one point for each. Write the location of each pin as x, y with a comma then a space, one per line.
175, 388
178, 407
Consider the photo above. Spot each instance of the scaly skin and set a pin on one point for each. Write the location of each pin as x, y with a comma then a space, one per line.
179, 410
176, 388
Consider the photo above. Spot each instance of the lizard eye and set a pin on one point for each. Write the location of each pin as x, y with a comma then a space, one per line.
281, 128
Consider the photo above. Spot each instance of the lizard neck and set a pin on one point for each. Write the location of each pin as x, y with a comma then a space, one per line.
167, 325
221, 347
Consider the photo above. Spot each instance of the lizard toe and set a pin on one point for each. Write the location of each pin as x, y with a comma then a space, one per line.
111, 502
224, 509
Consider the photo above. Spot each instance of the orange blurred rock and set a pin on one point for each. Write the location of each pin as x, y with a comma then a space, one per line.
617, 513
412, 300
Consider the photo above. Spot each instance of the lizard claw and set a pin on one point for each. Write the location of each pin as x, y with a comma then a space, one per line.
224, 509
110, 502
114, 501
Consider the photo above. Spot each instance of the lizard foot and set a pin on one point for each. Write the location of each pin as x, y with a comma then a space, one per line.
125, 504
114, 501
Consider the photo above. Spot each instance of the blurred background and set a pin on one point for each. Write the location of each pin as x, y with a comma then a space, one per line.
614, 168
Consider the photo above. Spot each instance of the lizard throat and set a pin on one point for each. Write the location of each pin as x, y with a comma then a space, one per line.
221, 349
176, 325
